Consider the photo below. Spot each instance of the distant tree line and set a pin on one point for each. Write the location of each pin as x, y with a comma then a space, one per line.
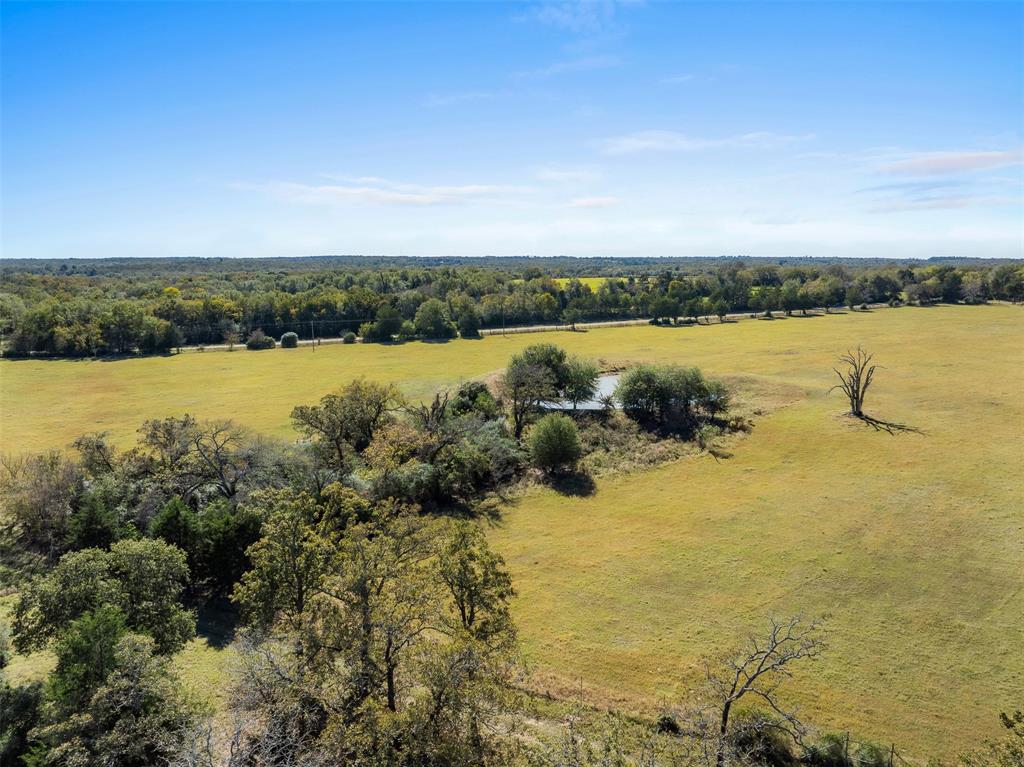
154, 307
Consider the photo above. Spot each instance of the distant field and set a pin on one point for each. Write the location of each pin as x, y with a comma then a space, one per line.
913, 544
592, 282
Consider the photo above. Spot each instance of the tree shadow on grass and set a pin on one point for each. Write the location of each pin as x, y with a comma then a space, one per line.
718, 453
216, 622
577, 484
890, 427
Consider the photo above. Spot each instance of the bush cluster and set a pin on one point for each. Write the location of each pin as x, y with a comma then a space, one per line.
671, 397
259, 340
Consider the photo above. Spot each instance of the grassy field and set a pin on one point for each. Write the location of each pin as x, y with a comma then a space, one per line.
592, 282
912, 544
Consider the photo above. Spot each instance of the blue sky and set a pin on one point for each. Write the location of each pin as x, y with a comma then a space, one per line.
595, 128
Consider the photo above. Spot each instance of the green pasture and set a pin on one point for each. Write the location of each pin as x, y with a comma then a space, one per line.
910, 545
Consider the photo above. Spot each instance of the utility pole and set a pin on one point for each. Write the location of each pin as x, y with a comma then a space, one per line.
312, 335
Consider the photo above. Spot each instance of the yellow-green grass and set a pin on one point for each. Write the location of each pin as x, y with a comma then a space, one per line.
912, 544
592, 282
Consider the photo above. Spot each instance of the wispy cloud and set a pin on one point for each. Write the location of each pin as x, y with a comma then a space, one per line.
580, 17
583, 64
943, 202
678, 79
937, 194
593, 202
459, 97
943, 163
370, 190
671, 141
913, 188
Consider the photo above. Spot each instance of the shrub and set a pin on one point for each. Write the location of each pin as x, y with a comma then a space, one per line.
289, 340
872, 755
504, 456
348, 338
554, 443
407, 332
667, 725
829, 751
762, 743
474, 397
258, 340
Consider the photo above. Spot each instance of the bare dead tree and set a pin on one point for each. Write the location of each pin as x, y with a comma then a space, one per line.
225, 455
431, 417
756, 672
855, 379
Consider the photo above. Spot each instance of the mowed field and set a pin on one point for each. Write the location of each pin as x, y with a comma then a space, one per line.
910, 545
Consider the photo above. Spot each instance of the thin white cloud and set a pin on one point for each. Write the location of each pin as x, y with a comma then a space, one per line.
580, 17
944, 203
593, 202
943, 163
584, 64
371, 190
672, 141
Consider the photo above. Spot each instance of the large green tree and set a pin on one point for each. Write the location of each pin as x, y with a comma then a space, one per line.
432, 320
142, 578
580, 384
138, 716
346, 422
525, 385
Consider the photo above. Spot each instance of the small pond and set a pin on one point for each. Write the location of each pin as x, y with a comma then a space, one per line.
605, 388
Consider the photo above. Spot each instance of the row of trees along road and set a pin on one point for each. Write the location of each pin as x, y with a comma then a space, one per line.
157, 305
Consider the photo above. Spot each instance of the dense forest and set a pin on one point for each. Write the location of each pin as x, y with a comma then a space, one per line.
128, 306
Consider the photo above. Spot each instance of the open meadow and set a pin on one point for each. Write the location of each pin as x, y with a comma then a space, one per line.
911, 545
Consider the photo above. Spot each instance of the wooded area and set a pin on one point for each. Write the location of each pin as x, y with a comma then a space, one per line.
88, 308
